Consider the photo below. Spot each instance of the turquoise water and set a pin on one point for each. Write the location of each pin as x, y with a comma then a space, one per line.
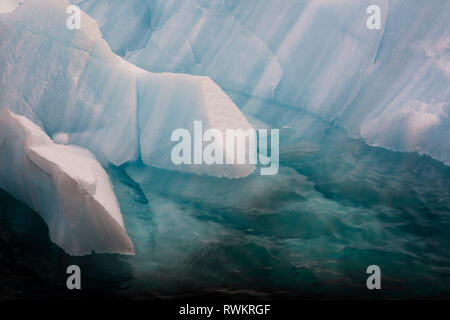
336, 206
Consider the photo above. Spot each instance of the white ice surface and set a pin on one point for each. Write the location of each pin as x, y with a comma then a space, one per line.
71, 84
65, 184
383, 85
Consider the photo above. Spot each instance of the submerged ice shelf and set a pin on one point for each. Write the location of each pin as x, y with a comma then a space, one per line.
65, 184
336, 205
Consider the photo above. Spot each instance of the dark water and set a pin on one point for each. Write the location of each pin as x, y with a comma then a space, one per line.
336, 207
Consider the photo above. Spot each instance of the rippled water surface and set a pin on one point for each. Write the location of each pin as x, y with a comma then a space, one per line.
336, 206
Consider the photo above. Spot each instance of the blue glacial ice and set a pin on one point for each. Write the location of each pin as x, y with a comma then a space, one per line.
72, 85
336, 205
388, 86
79, 92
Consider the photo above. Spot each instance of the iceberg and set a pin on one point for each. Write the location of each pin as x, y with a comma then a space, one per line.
65, 184
69, 106
119, 89
78, 91
388, 86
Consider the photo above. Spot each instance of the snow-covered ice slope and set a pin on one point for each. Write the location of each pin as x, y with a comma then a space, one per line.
390, 86
71, 84
65, 184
